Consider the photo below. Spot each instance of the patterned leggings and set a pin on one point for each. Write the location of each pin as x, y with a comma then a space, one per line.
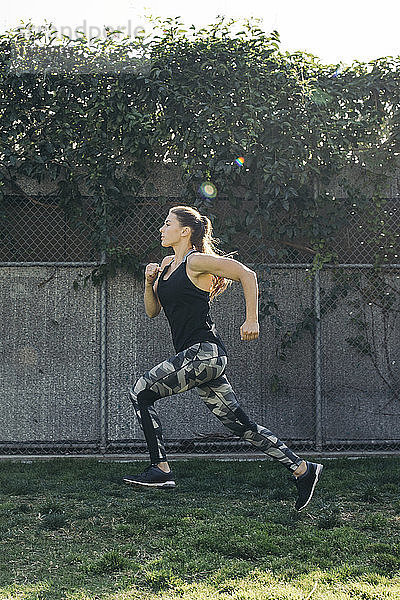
202, 365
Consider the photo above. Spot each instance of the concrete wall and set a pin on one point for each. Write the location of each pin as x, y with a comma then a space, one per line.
50, 366
50, 349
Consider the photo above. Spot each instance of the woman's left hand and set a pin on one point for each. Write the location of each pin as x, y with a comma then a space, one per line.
250, 330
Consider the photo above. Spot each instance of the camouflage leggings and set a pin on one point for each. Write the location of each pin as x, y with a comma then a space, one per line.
202, 366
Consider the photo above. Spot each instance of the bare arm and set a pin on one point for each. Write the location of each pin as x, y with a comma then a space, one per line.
233, 269
152, 304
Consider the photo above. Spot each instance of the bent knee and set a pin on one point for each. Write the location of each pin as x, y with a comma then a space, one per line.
141, 385
146, 397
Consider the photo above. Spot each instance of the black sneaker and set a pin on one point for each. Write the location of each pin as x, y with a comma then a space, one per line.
306, 484
152, 476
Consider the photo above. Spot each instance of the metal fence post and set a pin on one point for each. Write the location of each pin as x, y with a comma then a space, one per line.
104, 241
318, 397
103, 361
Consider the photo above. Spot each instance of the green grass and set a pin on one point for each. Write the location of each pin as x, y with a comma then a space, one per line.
72, 530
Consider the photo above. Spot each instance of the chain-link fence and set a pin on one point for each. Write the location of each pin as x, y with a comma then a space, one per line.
36, 231
323, 375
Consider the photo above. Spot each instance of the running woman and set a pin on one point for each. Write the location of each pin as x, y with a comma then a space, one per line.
184, 285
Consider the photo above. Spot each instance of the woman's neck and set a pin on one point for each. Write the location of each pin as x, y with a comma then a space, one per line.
180, 257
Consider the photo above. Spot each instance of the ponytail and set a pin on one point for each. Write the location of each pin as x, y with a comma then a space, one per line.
202, 239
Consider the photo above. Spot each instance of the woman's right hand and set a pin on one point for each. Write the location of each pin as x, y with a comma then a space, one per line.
151, 273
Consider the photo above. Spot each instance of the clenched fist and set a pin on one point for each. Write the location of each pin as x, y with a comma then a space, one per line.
151, 273
250, 330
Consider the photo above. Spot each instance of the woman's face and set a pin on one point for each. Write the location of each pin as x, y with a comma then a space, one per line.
171, 231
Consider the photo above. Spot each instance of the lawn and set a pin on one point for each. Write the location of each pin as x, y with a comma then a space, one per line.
70, 529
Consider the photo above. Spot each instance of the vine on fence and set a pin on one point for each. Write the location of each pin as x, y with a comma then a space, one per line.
199, 99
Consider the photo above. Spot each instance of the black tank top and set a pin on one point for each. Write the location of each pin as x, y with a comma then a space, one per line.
187, 309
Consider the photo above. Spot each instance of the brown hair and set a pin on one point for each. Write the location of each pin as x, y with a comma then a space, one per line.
202, 239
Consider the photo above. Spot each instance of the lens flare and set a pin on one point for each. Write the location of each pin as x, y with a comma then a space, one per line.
208, 189
240, 161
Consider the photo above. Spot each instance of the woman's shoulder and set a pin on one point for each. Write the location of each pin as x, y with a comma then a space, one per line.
201, 261
220, 266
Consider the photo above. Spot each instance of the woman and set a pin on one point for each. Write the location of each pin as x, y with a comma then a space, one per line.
183, 286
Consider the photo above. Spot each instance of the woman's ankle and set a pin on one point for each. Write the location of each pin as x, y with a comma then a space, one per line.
164, 466
301, 469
